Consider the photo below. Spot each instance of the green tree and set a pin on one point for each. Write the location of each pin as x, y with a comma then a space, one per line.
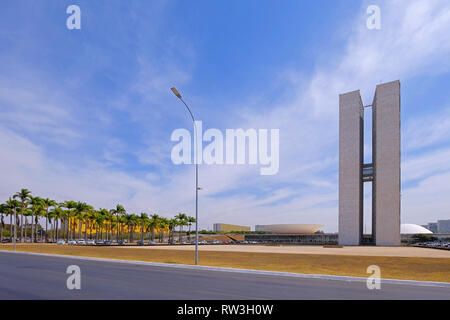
12, 206
71, 212
36, 209
190, 221
24, 195
182, 220
3, 211
163, 224
79, 214
143, 221
46, 204
172, 224
119, 211
57, 213
100, 218
154, 223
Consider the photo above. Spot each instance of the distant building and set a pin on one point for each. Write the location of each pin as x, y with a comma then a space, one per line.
407, 228
223, 227
260, 228
443, 226
289, 228
383, 172
432, 226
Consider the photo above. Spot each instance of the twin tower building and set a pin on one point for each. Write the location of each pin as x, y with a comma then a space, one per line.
383, 172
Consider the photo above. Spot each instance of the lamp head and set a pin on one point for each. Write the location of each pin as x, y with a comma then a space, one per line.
175, 92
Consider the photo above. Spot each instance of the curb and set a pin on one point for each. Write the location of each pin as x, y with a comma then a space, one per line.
248, 271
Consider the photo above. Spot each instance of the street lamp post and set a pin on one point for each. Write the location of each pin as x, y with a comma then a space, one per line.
175, 91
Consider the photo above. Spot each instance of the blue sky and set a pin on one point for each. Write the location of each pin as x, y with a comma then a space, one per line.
87, 114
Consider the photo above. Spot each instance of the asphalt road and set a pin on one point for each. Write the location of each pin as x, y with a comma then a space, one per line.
40, 277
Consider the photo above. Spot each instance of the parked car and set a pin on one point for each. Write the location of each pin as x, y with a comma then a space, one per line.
140, 243
91, 242
151, 242
72, 242
81, 242
107, 243
99, 242
61, 241
121, 242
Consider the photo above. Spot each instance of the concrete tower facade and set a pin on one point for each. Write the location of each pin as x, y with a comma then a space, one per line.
383, 172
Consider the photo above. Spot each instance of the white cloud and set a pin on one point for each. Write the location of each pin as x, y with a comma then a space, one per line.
427, 130
425, 165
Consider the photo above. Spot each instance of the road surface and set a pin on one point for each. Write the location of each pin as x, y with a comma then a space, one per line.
25, 276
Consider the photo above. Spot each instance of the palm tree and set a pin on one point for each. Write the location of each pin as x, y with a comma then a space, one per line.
100, 218
57, 213
12, 206
118, 212
121, 224
181, 221
3, 210
23, 195
190, 221
172, 224
86, 216
70, 210
163, 224
36, 207
153, 223
143, 219
27, 213
40, 213
109, 222
130, 220
64, 217
79, 214
46, 204
113, 225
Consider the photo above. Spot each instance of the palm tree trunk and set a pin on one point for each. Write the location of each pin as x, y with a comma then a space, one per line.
21, 223
10, 226
86, 223
1, 229
56, 230
46, 227
117, 226
15, 225
32, 227
36, 221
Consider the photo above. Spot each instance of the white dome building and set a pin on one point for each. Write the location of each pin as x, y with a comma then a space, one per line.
408, 228
290, 228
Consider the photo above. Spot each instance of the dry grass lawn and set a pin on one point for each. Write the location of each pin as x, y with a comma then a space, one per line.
412, 268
